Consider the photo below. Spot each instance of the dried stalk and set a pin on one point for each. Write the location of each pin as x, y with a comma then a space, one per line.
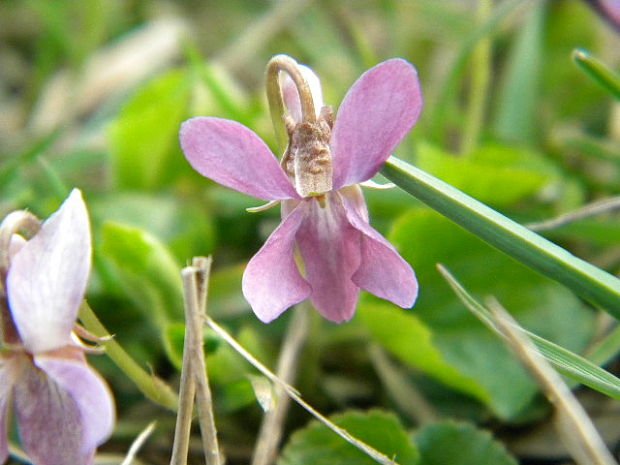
574, 425
294, 394
194, 382
273, 422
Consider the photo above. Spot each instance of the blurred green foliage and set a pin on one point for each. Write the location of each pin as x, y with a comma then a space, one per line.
549, 143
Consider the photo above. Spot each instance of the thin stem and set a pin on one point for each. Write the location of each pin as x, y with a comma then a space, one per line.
187, 387
150, 385
200, 272
274, 94
574, 425
294, 394
595, 208
273, 422
403, 393
480, 73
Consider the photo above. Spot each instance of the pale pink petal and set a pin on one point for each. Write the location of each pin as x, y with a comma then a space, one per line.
90, 393
49, 420
6, 385
4, 447
330, 248
272, 282
375, 115
291, 95
231, 154
48, 276
382, 271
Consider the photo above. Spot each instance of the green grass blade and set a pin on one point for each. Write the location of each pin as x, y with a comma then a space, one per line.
598, 71
566, 362
588, 281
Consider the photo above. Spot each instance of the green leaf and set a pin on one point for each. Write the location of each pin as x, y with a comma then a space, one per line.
424, 238
147, 271
144, 142
408, 338
517, 104
598, 71
565, 361
590, 282
460, 444
497, 175
318, 445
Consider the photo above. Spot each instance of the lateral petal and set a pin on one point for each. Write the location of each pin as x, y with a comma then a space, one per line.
47, 277
49, 420
382, 271
271, 281
375, 115
89, 392
330, 248
233, 155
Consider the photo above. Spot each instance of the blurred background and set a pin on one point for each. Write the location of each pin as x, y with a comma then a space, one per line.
92, 94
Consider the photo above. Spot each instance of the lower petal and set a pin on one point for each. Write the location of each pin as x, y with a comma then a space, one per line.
61, 411
382, 272
4, 447
272, 282
330, 249
89, 391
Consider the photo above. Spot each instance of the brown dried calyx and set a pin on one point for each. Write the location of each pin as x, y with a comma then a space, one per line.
308, 159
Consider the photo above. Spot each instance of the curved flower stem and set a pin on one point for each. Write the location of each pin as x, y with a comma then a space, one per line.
274, 94
14, 223
150, 385
273, 422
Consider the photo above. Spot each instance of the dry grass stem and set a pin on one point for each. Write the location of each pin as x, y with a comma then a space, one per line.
273, 422
294, 394
137, 444
574, 425
595, 208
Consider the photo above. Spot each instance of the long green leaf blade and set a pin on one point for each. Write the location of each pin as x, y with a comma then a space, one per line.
598, 71
588, 281
566, 362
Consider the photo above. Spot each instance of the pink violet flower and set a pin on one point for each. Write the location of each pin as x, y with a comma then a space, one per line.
340, 251
63, 408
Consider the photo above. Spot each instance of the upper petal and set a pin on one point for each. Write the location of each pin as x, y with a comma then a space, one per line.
89, 392
233, 155
291, 95
377, 112
330, 248
47, 278
272, 282
382, 271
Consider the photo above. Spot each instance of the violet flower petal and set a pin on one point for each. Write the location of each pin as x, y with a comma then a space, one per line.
4, 446
271, 281
6, 384
89, 392
50, 423
375, 115
48, 277
233, 155
330, 248
382, 272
